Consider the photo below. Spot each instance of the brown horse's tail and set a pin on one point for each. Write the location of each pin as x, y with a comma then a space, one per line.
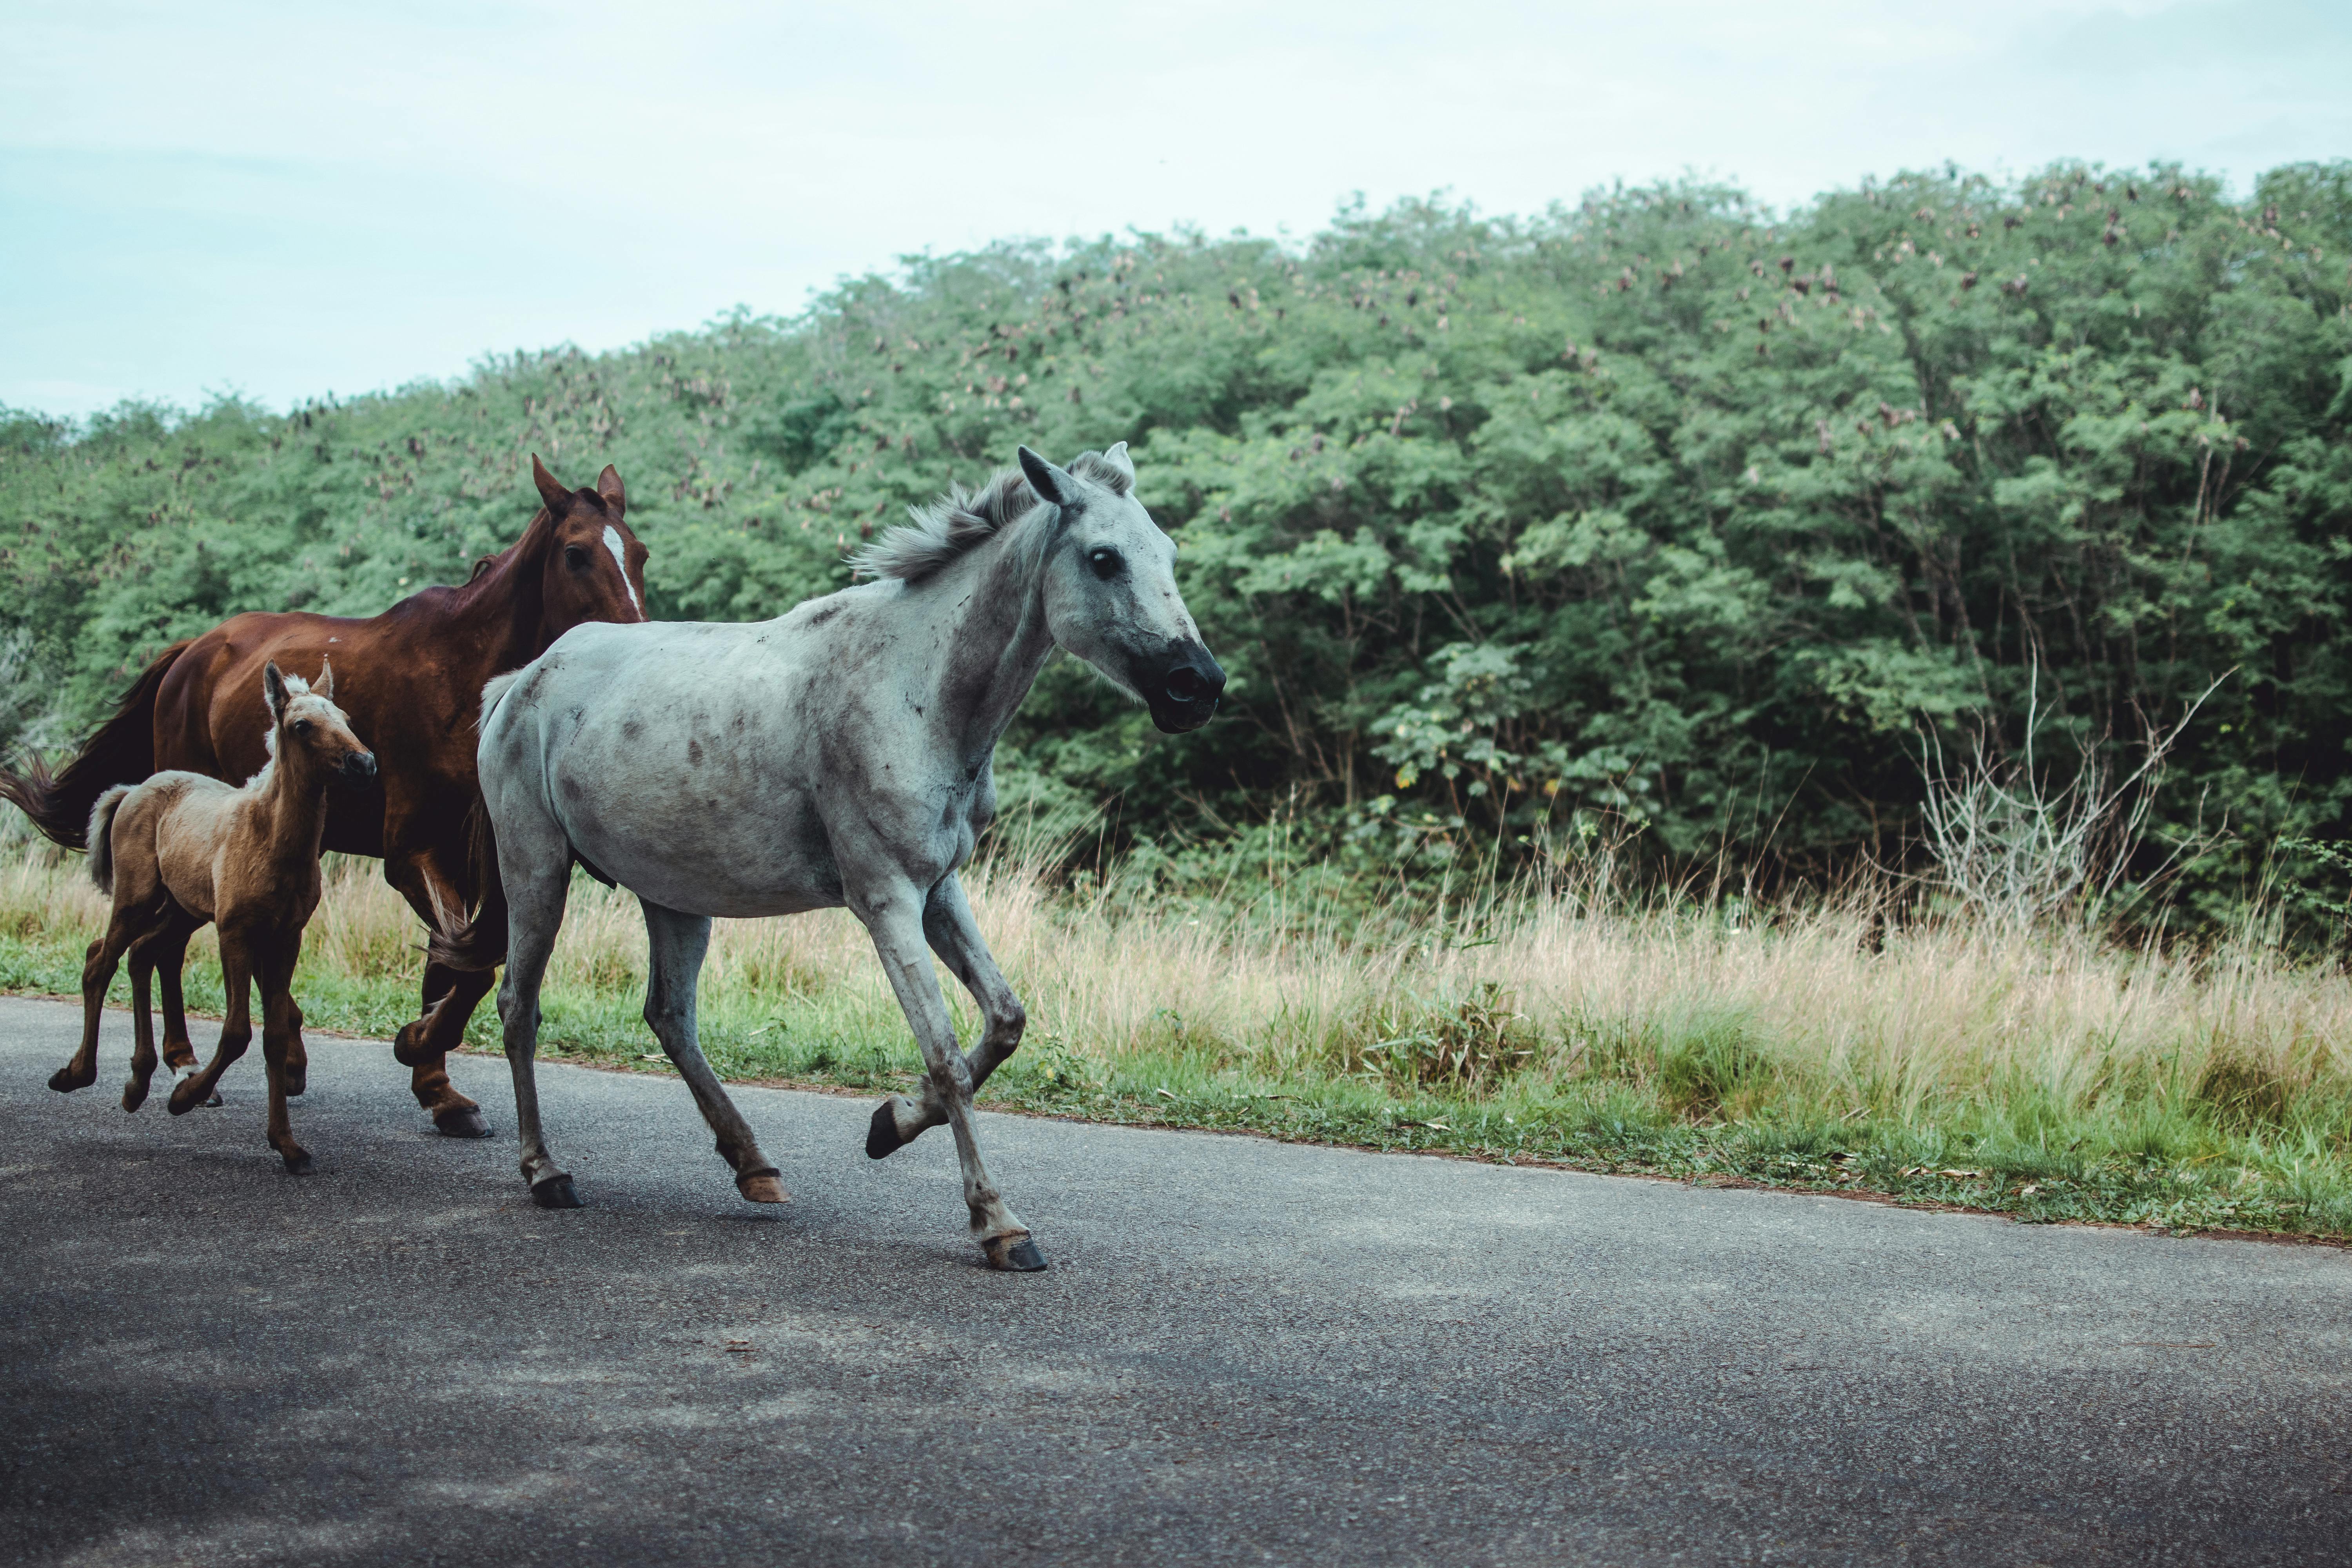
123, 751
481, 942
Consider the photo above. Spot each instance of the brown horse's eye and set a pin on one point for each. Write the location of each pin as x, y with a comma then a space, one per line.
576, 557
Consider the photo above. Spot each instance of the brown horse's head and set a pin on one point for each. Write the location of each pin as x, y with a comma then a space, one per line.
309, 735
595, 568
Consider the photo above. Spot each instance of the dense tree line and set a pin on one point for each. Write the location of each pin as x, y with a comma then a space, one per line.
1659, 510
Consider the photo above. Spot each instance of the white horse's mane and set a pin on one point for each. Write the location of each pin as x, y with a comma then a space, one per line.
961, 518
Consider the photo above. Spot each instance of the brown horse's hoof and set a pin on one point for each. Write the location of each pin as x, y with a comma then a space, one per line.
134, 1093
297, 1162
410, 1048
554, 1191
1015, 1254
181, 1100
882, 1138
461, 1121
761, 1187
65, 1081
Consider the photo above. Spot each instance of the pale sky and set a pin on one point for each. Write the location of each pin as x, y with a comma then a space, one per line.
288, 200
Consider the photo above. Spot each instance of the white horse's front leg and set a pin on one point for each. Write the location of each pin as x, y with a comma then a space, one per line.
954, 935
896, 924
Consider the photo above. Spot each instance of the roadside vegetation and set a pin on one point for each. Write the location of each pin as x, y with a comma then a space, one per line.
1957, 1061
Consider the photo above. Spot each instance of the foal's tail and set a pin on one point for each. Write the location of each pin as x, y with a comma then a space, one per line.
120, 751
101, 835
480, 943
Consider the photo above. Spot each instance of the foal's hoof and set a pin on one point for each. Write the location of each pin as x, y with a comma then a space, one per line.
461, 1121
1013, 1254
65, 1081
555, 1192
882, 1138
298, 1162
761, 1187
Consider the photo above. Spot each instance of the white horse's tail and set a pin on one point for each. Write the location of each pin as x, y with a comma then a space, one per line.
102, 837
494, 692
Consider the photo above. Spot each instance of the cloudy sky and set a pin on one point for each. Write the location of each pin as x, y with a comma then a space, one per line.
285, 200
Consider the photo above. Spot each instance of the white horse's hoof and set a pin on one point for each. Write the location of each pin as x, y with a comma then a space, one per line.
1015, 1254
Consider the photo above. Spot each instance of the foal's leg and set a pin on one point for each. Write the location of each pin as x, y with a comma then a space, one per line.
142, 1051
896, 921
171, 957
281, 1027
954, 935
236, 1026
126, 925
677, 942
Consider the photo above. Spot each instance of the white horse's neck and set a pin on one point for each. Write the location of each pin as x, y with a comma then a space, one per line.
993, 602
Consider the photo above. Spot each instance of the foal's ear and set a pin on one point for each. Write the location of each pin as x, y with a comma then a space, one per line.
325, 685
551, 488
608, 485
1051, 483
273, 689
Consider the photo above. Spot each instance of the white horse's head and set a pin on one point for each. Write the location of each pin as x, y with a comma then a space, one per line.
1109, 582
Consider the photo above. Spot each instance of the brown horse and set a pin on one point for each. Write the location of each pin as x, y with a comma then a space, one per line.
181, 850
413, 681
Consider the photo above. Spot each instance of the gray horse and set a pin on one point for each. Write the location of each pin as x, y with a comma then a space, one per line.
837, 757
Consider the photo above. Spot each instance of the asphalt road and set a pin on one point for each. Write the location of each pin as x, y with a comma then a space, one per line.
1244, 1351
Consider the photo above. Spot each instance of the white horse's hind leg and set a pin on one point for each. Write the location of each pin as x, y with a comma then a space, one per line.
954, 935
896, 925
538, 877
677, 943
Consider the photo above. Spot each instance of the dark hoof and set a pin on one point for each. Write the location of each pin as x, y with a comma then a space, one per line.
882, 1138
65, 1081
1015, 1256
182, 1101
297, 1163
761, 1187
410, 1048
134, 1094
555, 1193
462, 1121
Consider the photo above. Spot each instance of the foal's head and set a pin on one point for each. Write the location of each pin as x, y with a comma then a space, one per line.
308, 733
1110, 589
595, 568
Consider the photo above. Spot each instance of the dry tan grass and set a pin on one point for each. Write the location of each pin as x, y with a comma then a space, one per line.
1934, 1017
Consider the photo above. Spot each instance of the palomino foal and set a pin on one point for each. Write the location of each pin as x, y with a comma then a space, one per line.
839, 755
182, 849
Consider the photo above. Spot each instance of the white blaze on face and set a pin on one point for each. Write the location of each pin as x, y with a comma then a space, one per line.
621, 559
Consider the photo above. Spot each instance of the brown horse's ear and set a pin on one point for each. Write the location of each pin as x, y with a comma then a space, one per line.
608, 485
325, 685
273, 689
551, 488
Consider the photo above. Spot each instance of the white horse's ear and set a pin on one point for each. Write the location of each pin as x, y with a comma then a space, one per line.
273, 689
1051, 483
551, 488
1116, 459
325, 685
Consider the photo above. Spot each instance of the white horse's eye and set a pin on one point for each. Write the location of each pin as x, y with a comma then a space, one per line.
1106, 562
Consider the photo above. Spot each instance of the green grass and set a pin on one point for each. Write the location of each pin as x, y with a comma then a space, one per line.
1700, 1093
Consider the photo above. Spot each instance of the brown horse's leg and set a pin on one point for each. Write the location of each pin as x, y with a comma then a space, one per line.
99, 965
236, 1026
281, 1023
450, 996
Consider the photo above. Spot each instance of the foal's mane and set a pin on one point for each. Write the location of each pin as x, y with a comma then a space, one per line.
962, 518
